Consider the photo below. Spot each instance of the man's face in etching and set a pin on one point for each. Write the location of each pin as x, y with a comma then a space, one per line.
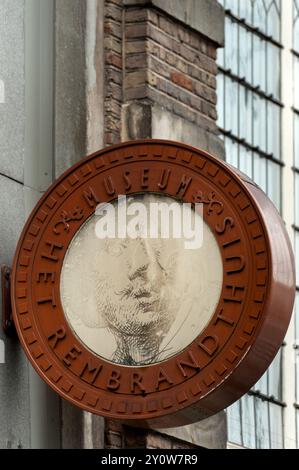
134, 286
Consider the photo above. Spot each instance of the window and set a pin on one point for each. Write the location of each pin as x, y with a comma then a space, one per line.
249, 109
295, 52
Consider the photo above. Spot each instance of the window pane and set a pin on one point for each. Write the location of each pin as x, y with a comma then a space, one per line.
273, 183
234, 423
297, 254
245, 160
274, 377
273, 70
296, 82
245, 54
231, 51
259, 15
296, 26
262, 385
245, 104
273, 130
232, 5
297, 374
245, 10
259, 62
276, 427
262, 424
231, 105
296, 139
273, 23
248, 421
297, 325
259, 122
296, 200
232, 152
259, 171
220, 100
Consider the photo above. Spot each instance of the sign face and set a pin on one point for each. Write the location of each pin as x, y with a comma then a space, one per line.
142, 329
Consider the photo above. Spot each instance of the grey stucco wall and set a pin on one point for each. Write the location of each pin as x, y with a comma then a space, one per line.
12, 75
14, 382
29, 411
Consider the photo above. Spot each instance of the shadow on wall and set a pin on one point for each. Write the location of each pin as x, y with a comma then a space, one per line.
2, 352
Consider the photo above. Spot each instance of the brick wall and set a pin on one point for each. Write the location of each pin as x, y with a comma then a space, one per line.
124, 437
152, 58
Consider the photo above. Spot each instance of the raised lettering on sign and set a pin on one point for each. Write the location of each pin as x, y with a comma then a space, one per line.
45, 276
51, 248
192, 364
162, 378
90, 372
49, 298
136, 381
127, 180
209, 344
109, 186
164, 179
90, 197
113, 381
71, 355
183, 185
57, 336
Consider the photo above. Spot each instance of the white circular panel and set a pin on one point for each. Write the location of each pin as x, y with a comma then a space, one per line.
139, 301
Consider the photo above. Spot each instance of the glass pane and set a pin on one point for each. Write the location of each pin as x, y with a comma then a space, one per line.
232, 152
259, 122
231, 105
296, 140
296, 26
245, 105
234, 423
273, 183
245, 54
220, 56
273, 70
276, 427
259, 15
231, 49
297, 200
245, 10
220, 100
260, 171
273, 23
296, 82
232, 5
262, 385
297, 254
262, 424
248, 421
273, 130
259, 62
245, 157
297, 374
297, 325
274, 377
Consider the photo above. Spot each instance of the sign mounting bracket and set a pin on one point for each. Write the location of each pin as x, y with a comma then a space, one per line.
7, 317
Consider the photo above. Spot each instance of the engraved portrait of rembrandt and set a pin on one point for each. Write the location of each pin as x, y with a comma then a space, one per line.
139, 301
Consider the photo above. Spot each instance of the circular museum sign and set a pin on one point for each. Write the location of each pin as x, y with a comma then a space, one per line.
152, 283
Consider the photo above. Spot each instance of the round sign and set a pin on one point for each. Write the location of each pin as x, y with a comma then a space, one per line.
147, 325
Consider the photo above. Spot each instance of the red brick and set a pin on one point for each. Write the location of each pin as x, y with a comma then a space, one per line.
181, 80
